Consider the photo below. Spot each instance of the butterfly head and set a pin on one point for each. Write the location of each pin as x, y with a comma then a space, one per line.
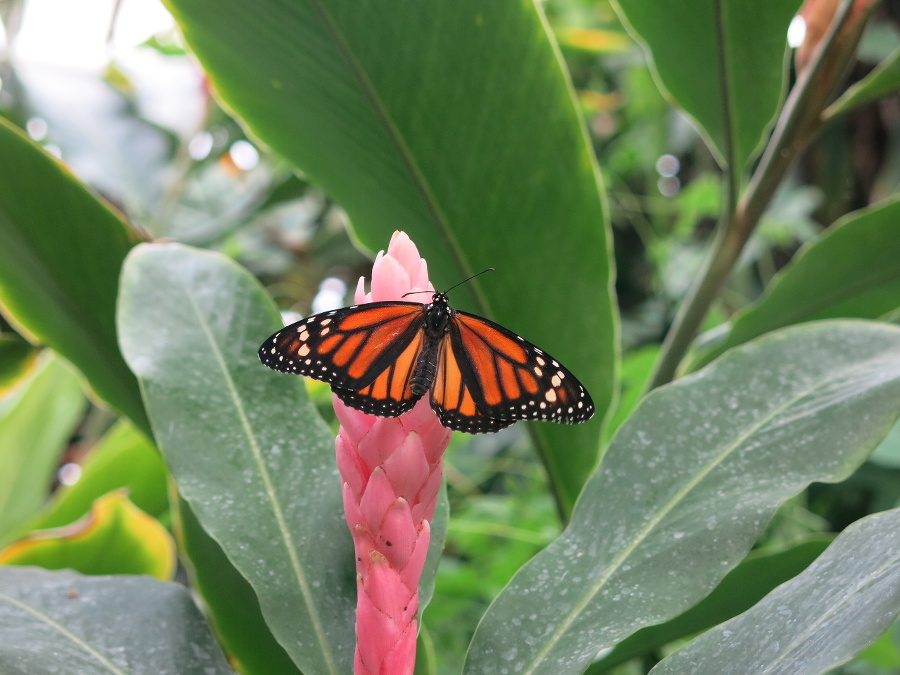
442, 298
438, 314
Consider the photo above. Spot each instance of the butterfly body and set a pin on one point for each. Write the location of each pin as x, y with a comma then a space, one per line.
382, 357
437, 322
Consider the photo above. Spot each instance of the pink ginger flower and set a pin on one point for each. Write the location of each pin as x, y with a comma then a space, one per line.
391, 469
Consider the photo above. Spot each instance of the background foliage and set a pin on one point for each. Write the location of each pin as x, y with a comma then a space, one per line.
667, 195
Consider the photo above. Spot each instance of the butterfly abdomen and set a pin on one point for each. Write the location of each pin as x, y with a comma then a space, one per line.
437, 319
426, 369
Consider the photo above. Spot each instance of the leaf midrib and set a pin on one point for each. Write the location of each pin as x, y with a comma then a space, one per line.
724, 76
65, 633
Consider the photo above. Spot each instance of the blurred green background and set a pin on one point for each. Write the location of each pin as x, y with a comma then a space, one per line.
108, 88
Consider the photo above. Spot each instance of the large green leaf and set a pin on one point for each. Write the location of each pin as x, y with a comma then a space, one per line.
249, 453
34, 428
230, 601
688, 484
61, 251
721, 61
832, 611
62, 622
852, 271
744, 586
454, 122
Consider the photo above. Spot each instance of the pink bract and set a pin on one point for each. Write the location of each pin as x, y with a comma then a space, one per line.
391, 470
397, 272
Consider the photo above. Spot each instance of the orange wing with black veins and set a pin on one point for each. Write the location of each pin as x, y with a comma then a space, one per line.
490, 377
367, 353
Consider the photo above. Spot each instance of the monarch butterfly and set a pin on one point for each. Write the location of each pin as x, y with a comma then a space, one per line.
382, 357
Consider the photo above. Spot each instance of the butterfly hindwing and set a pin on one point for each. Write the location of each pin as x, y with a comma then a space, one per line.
361, 348
389, 394
452, 398
510, 379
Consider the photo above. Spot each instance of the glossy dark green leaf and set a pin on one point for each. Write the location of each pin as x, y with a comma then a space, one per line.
883, 81
61, 252
687, 486
453, 122
62, 622
35, 426
852, 271
722, 62
249, 453
841, 604
17, 357
741, 588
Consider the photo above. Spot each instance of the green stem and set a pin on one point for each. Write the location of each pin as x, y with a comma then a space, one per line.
799, 121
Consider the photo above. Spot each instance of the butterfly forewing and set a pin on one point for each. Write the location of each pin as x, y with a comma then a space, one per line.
355, 348
511, 379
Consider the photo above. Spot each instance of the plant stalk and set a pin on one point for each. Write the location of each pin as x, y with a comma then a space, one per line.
798, 123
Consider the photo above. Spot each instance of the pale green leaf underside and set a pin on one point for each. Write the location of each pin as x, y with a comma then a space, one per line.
688, 484
246, 447
841, 604
62, 622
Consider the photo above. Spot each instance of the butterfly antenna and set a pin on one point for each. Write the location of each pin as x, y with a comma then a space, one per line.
489, 269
